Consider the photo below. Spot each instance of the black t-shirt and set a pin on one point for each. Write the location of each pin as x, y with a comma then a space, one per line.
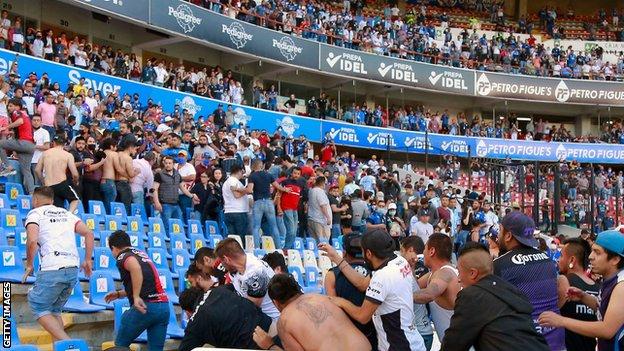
579, 311
151, 289
224, 319
335, 215
262, 181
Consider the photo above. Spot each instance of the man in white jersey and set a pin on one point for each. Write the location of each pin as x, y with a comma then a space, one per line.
250, 275
50, 231
388, 296
441, 285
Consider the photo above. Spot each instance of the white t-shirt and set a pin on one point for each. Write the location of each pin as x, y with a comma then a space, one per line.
57, 240
230, 203
80, 59
423, 230
391, 288
3, 107
41, 137
184, 171
255, 283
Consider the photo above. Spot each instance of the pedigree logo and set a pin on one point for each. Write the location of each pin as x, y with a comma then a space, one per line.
185, 17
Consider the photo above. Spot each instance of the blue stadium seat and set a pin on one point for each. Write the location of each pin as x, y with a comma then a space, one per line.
80, 240
4, 201
189, 213
178, 241
156, 225
337, 243
92, 221
296, 273
312, 279
195, 227
157, 241
3, 238
121, 306
166, 281
136, 240
212, 228
100, 284
12, 266
71, 344
213, 240
135, 224
259, 253
180, 259
174, 330
181, 280
24, 204
175, 226
139, 210
104, 261
76, 302
311, 245
13, 190
158, 257
104, 238
197, 242
113, 223
80, 209
11, 220
118, 209
23, 347
97, 208
20, 241
81, 275
299, 244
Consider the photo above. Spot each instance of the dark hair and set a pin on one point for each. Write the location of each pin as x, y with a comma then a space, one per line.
107, 144
319, 181
442, 244
235, 169
413, 242
44, 191
16, 102
580, 249
472, 246
611, 255
283, 287
275, 259
229, 247
193, 270
119, 239
79, 138
190, 297
204, 252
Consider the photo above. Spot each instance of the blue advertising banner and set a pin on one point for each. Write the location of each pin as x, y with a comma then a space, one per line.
200, 23
196, 105
136, 9
342, 133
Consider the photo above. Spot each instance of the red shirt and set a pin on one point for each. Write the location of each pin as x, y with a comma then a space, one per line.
307, 171
25, 131
326, 154
290, 201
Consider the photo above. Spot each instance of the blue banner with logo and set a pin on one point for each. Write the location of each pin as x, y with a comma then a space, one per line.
135, 9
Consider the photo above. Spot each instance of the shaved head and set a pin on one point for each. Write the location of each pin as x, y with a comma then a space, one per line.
474, 263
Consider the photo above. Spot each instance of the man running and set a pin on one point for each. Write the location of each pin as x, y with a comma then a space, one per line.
309, 322
607, 260
23, 144
51, 235
441, 285
52, 171
125, 172
530, 270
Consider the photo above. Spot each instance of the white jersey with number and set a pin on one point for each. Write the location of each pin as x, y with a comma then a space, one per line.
57, 238
391, 288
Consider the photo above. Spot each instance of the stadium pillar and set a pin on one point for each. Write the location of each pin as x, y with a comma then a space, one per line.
536, 194
592, 195
557, 199
427, 152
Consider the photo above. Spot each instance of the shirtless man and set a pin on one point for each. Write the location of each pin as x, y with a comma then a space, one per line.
107, 186
55, 163
308, 322
125, 171
441, 285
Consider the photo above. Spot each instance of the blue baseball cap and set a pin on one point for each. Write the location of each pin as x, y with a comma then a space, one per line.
612, 240
521, 227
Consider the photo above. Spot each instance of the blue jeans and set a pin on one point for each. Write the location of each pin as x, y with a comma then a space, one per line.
51, 291
428, 339
335, 231
261, 208
170, 211
138, 198
109, 192
237, 223
291, 222
461, 239
155, 321
184, 202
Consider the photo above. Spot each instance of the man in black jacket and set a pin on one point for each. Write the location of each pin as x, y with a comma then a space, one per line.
490, 313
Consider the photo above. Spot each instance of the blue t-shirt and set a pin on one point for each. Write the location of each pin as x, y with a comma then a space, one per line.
262, 181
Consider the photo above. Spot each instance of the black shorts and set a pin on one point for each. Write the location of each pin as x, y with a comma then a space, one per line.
63, 191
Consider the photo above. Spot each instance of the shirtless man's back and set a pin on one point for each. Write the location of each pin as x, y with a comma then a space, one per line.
125, 171
52, 171
107, 186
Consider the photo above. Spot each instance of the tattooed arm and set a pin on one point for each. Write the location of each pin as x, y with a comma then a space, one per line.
361, 314
437, 286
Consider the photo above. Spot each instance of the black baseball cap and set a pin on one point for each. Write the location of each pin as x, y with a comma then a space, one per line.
352, 244
379, 242
521, 227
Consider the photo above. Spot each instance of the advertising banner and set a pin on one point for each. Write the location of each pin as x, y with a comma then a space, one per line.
198, 106
610, 49
136, 9
549, 89
200, 23
397, 71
